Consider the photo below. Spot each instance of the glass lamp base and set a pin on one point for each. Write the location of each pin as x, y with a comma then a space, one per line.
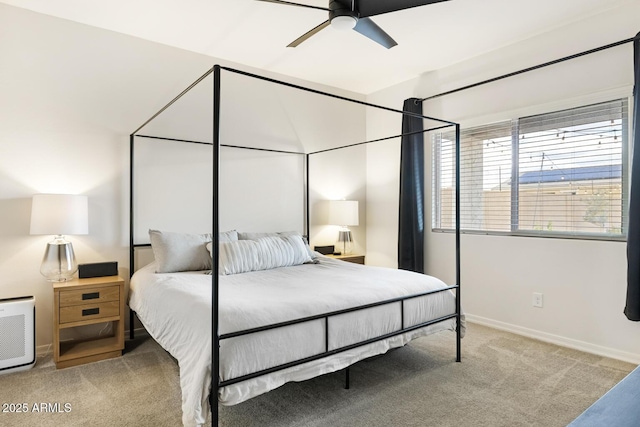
345, 241
59, 261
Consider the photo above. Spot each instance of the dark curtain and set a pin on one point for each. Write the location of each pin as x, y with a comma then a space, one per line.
632, 310
411, 219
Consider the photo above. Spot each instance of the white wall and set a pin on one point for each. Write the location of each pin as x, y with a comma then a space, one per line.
338, 175
583, 282
258, 114
70, 95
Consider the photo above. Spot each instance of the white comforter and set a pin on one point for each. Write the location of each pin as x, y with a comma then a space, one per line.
175, 308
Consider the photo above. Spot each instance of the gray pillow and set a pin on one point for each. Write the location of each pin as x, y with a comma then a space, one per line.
228, 236
176, 252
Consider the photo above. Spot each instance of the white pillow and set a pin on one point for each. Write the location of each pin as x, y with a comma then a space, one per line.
262, 254
174, 252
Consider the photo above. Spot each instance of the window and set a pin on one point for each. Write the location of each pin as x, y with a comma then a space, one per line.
569, 166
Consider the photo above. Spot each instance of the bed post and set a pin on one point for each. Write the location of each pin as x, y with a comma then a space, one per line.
215, 342
458, 305
307, 231
131, 248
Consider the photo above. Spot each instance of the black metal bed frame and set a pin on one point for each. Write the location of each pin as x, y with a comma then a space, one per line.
216, 383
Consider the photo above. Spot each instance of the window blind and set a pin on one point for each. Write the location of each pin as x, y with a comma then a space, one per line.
485, 171
569, 169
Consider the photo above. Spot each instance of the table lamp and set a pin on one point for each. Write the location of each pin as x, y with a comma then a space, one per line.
59, 214
344, 213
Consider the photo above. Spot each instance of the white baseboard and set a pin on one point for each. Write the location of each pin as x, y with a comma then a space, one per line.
43, 350
556, 339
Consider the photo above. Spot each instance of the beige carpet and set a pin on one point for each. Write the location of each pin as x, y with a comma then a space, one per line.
504, 380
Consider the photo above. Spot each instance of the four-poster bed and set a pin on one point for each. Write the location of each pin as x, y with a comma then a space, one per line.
360, 311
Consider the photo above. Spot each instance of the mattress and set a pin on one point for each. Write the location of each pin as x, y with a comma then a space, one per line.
175, 308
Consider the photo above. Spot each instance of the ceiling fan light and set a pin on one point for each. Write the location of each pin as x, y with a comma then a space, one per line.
344, 22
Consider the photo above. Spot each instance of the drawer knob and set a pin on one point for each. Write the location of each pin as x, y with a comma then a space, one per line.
90, 311
91, 295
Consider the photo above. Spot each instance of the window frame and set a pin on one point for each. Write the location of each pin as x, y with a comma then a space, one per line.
436, 214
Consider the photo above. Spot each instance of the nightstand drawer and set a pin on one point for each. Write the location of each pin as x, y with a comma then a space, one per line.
89, 296
79, 313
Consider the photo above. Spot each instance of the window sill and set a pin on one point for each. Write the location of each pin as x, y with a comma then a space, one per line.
606, 238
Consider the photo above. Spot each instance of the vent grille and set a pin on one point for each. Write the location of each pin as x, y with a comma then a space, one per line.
12, 337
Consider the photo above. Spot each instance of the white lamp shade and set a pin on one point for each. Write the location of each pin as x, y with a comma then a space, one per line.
343, 212
59, 214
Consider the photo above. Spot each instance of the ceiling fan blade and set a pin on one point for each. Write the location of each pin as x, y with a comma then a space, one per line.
309, 33
378, 7
368, 28
296, 4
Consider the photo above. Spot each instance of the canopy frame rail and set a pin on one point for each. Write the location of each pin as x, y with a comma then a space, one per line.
216, 383
532, 68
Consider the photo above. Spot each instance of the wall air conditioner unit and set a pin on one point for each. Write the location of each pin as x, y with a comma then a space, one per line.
17, 334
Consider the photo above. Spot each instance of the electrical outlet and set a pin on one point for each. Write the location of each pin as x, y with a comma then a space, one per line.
537, 299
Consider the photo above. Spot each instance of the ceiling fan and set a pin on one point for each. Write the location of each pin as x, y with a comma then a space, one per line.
352, 14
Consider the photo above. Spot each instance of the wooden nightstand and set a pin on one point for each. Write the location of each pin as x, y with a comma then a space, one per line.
356, 259
81, 302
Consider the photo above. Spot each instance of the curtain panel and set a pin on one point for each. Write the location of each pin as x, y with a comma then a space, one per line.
411, 221
632, 309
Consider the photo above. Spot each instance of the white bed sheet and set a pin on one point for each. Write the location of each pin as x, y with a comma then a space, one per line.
175, 309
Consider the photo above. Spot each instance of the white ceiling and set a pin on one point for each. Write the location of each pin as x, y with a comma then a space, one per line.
256, 33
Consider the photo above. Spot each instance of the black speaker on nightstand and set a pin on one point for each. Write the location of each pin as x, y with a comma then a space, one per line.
98, 269
324, 250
